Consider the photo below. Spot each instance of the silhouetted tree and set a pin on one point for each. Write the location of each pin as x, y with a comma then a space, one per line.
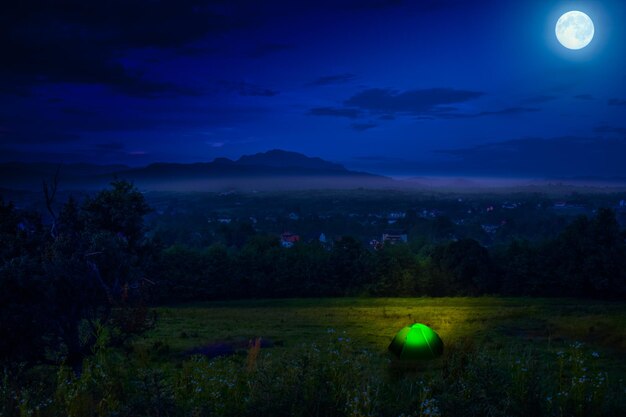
24, 292
465, 266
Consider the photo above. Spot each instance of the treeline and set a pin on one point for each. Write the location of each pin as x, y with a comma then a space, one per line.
588, 259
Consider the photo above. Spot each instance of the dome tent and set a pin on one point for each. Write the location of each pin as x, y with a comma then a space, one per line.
416, 342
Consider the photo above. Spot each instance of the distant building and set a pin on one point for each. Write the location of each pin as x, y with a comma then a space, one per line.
562, 205
396, 215
490, 228
376, 244
288, 239
394, 236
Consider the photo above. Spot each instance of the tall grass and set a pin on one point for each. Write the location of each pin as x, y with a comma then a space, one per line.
332, 376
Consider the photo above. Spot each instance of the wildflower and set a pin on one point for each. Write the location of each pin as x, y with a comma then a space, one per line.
595, 354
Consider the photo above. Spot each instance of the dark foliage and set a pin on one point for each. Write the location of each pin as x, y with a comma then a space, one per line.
588, 259
59, 284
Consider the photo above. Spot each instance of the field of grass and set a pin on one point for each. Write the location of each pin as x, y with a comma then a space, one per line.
328, 357
502, 357
492, 323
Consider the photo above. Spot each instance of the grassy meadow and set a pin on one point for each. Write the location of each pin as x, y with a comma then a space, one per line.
328, 357
493, 323
503, 356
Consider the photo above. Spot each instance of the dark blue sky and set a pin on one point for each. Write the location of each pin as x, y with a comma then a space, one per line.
388, 86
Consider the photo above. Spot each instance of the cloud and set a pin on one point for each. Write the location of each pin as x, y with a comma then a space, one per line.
362, 127
110, 146
504, 112
248, 89
611, 129
616, 102
376, 4
435, 103
422, 5
376, 158
335, 112
584, 97
27, 136
415, 102
333, 79
539, 99
86, 42
265, 49
564, 156
216, 144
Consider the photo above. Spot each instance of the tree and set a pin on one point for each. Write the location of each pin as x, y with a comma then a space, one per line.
589, 257
465, 266
518, 269
349, 265
396, 270
59, 287
25, 313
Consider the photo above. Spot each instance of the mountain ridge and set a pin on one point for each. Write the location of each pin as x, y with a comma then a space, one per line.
265, 170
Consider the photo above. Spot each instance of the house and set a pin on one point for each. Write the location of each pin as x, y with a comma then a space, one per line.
288, 239
396, 215
394, 236
490, 228
294, 216
375, 244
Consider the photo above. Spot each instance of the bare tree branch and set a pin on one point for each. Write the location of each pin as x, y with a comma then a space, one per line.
50, 191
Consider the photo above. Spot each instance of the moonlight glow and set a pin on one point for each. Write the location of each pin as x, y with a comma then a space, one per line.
574, 30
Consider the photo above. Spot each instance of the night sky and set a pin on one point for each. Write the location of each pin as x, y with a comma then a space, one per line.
386, 86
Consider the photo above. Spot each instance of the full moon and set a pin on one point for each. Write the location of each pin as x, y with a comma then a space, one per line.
574, 30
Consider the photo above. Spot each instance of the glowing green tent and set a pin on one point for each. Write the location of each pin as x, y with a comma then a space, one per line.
416, 342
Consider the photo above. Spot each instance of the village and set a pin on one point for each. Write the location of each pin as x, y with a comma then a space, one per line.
376, 219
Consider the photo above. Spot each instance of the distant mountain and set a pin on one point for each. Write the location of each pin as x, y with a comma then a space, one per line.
275, 169
284, 159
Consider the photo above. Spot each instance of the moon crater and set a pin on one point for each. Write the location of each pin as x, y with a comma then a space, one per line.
574, 30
